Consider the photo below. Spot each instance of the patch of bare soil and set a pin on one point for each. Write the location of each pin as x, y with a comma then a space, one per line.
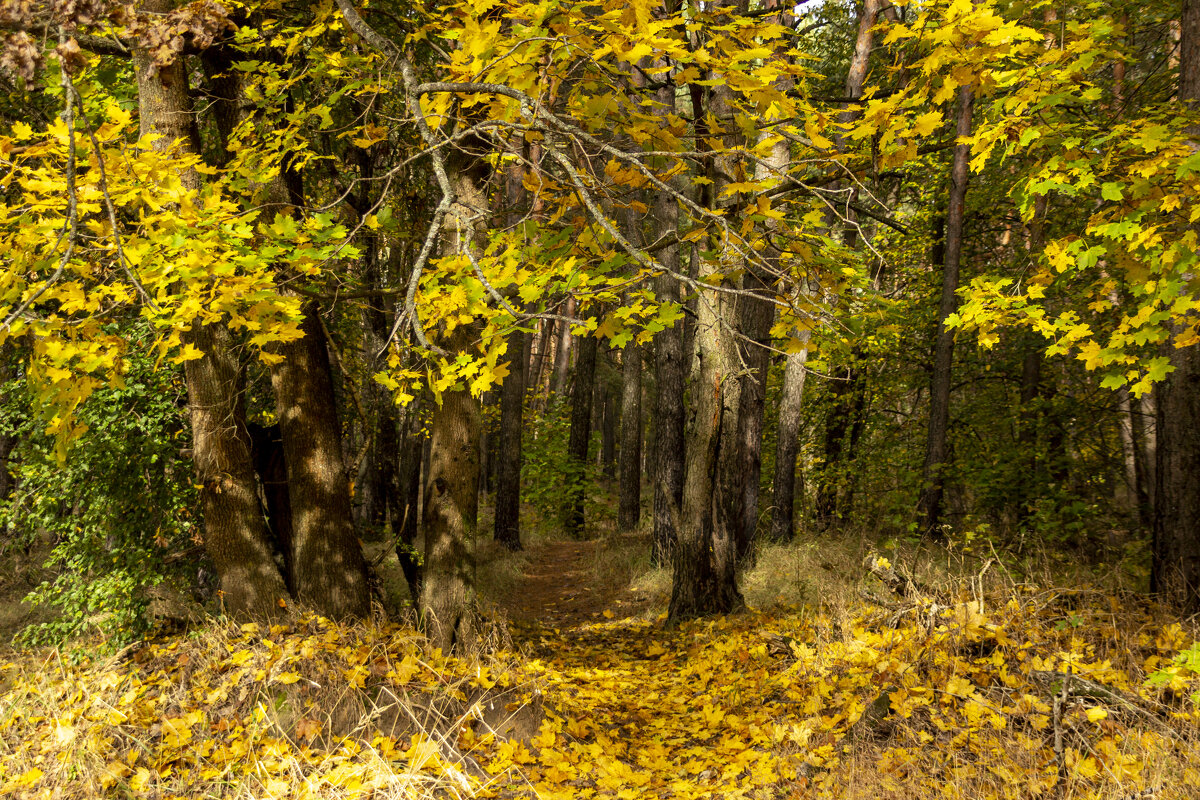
563, 587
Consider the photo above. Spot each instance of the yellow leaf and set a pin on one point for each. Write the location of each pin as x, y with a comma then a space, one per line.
927, 123
140, 780
28, 778
1096, 714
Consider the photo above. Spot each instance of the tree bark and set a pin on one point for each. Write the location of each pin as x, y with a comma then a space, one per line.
756, 315
787, 444
1143, 477
405, 505
451, 482
329, 572
377, 480
1176, 547
629, 505
1030, 422
451, 498
8, 424
507, 529
562, 352
536, 379
705, 559
580, 434
667, 469
608, 428
845, 420
235, 533
929, 505
706, 554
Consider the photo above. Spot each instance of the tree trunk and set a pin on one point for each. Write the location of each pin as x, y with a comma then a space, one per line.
487, 439
405, 505
1030, 422
1176, 549
329, 572
1144, 485
787, 444
608, 429
629, 506
929, 506
508, 467
756, 315
235, 533
8, 424
447, 584
451, 480
667, 470
845, 420
580, 434
705, 561
704, 580
562, 352
377, 481
536, 379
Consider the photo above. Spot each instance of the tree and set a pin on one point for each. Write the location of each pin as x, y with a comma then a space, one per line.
235, 533
630, 479
1176, 548
929, 505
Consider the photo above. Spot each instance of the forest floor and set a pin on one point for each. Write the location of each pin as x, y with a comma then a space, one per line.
559, 588
974, 685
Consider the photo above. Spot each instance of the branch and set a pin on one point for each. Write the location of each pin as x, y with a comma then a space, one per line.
71, 224
108, 201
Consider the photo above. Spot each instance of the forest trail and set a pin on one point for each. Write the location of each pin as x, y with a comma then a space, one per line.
560, 588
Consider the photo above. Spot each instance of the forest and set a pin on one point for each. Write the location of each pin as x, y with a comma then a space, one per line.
592, 399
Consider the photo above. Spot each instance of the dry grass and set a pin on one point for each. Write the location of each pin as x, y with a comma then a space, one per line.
307, 709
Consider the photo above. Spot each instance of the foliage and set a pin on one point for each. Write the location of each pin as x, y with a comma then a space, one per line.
118, 509
1180, 672
546, 469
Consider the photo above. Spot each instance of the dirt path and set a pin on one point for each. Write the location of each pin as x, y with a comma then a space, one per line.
558, 590
562, 590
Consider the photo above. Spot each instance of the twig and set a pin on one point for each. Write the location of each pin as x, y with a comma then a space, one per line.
108, 202
71, 224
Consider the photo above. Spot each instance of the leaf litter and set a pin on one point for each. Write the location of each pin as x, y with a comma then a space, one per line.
1029, 693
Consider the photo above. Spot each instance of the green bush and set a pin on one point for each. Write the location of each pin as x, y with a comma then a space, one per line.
118, 510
